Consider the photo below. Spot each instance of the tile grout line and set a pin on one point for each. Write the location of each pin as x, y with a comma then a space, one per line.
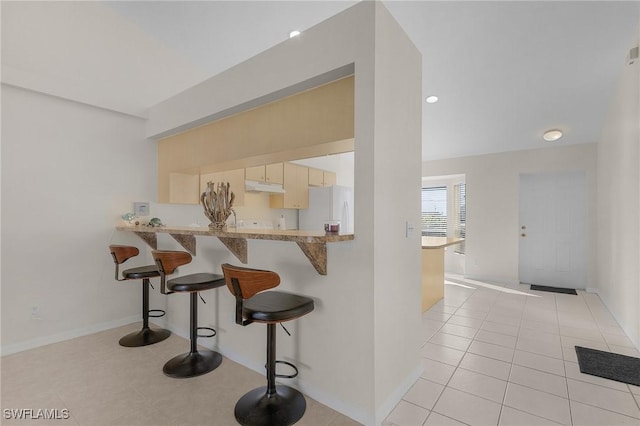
520, 329
506, 389
456, 366
564, 367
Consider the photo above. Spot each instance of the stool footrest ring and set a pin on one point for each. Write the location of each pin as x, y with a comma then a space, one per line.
206, 336
156, 313
287, 376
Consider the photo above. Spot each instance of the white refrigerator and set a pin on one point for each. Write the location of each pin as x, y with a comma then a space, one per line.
328, 203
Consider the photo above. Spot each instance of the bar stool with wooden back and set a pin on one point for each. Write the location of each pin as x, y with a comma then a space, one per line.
146, 336
267, 405
195, 362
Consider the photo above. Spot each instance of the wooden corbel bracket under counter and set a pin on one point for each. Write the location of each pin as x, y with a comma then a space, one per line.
312, 244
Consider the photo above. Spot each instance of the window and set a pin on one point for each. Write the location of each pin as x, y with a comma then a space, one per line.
460, 215
434, 211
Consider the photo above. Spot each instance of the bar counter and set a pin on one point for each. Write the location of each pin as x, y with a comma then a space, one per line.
313, 244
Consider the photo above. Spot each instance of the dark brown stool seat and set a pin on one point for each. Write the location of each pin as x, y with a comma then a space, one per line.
195, 362
271, 405
146, 336
276, 306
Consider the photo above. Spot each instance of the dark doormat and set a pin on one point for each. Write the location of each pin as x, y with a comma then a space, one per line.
554, 289
621, 368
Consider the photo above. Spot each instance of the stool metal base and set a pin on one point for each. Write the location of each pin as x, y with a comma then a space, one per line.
144, 337
192, 364
256, 408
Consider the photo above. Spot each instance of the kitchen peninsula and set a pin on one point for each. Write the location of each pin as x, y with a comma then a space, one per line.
312, 244
433, 268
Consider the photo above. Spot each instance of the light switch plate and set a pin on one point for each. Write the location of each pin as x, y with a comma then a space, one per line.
141, 209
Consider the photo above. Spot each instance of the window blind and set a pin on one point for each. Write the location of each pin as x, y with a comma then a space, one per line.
460, 215
434, 211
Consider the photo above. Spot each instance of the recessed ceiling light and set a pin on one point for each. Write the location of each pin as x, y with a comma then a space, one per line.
432, 99
294, 33
552, 135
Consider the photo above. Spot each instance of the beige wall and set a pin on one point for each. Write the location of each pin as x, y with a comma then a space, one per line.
618, 204
313, 117
492, 203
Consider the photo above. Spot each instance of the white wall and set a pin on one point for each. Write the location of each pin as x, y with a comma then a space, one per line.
68, 172
397, 148
359, 350
492, 204
618, 203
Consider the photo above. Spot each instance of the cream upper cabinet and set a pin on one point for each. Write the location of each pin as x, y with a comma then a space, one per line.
329, 178
275, 173
234, 177
316, 177
255, 173
319, 177
270, 173
296, 186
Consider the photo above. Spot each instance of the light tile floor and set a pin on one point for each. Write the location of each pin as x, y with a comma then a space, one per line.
102, 383
492, 356
496, 355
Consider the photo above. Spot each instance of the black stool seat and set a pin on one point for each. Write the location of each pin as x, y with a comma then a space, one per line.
146, 336
276, 306
149, 271
196, 282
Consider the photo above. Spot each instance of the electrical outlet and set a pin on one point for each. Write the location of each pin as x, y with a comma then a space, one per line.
408, 229
141, 209
35, 312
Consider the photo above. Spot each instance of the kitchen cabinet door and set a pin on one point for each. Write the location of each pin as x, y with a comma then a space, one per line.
316, 177
329, 178
296, 186
275, 173
255, 173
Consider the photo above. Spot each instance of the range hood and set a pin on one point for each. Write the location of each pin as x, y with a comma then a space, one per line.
255, 186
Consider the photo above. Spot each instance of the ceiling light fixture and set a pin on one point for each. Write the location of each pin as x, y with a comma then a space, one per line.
552, 135
432, 99
294, 33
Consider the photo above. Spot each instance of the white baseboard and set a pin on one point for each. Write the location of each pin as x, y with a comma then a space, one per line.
356, 413
492, 280
66, 335
383, 411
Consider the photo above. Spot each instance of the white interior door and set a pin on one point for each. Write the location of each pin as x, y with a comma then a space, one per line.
553, 226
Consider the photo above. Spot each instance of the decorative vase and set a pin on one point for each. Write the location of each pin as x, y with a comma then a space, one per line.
218, 226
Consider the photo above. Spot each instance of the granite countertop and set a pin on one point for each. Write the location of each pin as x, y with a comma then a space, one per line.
252, 234
439, 242
312, 244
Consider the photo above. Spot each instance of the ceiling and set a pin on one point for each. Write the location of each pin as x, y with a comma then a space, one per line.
504, 71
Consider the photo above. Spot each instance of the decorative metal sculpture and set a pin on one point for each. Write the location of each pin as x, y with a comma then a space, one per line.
155, 222
217, 201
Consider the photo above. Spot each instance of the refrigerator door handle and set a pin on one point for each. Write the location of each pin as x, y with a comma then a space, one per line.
345, 217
